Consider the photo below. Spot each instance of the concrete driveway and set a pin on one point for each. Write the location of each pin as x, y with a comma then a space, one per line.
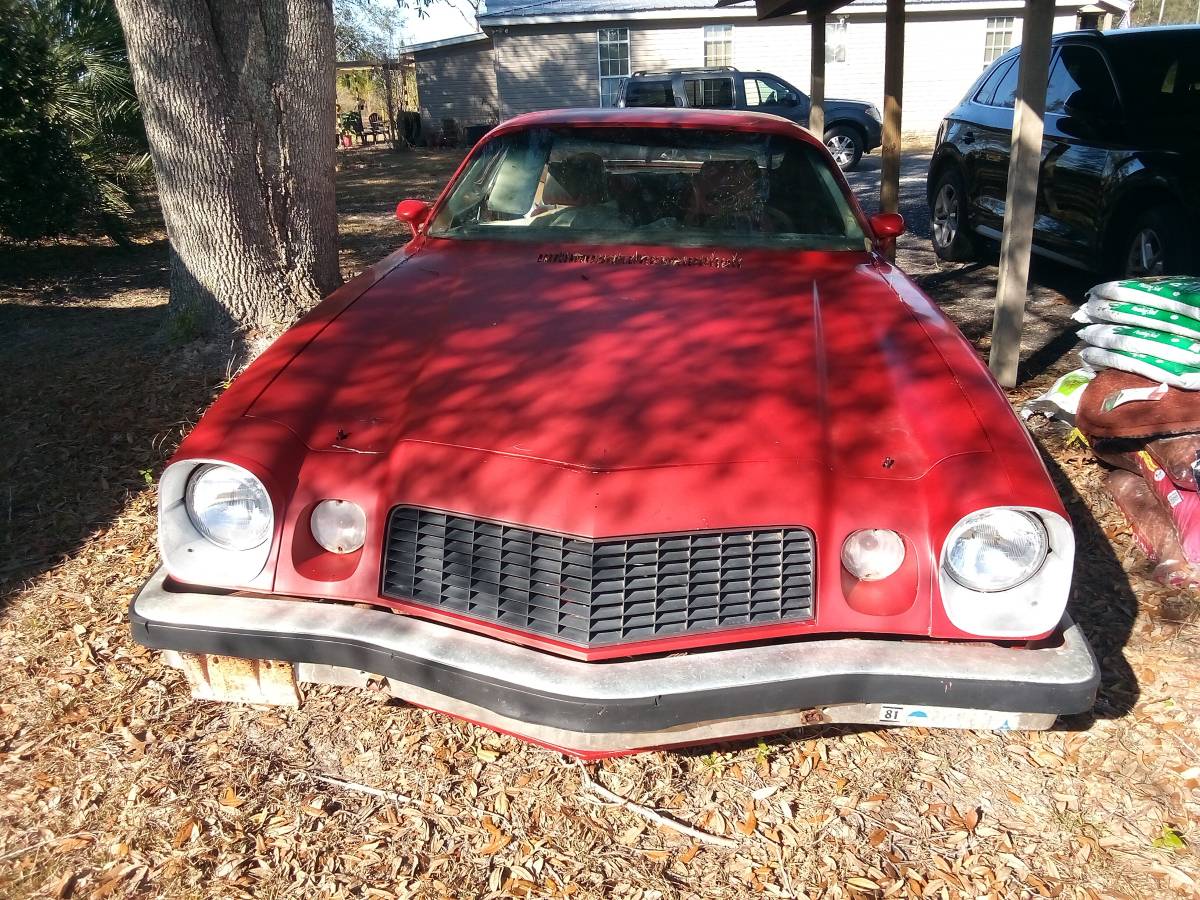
913, 166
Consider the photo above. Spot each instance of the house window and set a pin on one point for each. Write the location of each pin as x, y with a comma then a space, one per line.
835, 41
998, 38
612, 45
718, 45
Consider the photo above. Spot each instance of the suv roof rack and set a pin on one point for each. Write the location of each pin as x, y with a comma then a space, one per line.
694, 69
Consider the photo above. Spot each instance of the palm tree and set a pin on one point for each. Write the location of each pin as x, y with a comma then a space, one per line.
80, 94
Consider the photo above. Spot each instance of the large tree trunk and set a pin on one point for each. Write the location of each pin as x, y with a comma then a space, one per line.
238, 98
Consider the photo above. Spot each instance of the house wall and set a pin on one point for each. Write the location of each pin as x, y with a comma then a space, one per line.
556, 66
547, 68
457, 83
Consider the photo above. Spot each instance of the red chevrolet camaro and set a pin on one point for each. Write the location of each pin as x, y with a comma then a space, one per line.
639, 442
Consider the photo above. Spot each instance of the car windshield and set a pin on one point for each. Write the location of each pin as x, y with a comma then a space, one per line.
682, 186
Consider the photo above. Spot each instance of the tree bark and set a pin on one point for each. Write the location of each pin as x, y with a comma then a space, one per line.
238, 99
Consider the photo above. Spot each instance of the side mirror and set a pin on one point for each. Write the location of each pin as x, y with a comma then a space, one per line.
887, 226
414, 212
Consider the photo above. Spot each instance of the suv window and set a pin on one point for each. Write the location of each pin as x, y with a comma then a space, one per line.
985, 93
763, 91
1159, 73
649, 93
709, 93
1081, 78
1006, 90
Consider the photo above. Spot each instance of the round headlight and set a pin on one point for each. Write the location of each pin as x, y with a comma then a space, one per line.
339, 525
996, 549
229, 506
873, 554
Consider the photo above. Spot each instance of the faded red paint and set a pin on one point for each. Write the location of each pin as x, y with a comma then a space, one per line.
794, 388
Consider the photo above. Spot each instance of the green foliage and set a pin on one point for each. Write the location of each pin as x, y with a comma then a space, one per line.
350, 123
72, 145
360, 83
1170, 839
762, 753
368, 29
1174, 12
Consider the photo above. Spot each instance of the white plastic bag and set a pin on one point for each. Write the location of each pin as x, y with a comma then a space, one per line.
1174, 293
1153, 367
1100, 310
1173, 347
1062, 400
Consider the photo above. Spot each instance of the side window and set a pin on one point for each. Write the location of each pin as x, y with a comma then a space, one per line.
987, 91
768, 92
709, 93
1006, 90
1081, 79
649, 93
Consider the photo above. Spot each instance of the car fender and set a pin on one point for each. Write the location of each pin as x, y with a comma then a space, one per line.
947, 154
1139, 185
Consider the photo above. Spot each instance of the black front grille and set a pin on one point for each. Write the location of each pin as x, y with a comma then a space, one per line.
595, 593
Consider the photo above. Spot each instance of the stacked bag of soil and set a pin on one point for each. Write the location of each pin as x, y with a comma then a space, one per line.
1140, 412
1149, 326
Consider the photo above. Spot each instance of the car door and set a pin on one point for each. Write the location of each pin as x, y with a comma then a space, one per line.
709, 91
986, 139
767, 94
1081, 130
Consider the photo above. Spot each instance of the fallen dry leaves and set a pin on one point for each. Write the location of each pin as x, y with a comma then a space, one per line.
113, 783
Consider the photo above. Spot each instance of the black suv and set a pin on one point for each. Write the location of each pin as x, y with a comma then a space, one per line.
1119, 187
851, 126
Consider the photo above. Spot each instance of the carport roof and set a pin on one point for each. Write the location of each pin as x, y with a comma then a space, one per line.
517, 12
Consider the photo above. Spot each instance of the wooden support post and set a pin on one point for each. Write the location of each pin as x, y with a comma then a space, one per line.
893, 102
816, 93
1020, 205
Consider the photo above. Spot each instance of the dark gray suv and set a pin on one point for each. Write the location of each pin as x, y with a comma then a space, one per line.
851, 126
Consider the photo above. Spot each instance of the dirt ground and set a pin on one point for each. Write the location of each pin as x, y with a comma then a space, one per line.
114, 783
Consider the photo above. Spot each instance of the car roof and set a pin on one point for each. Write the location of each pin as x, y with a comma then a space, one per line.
660, 117
1121, 34
697, 70
1124, 34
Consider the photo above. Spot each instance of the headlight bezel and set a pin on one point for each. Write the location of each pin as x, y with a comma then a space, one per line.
190, 556
1027, 610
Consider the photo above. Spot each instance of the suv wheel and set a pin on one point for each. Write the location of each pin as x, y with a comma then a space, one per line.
845, 145
1156, 244
948, 218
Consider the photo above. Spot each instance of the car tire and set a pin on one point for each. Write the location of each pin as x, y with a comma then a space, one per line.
845, 145
948, 218
1157, 243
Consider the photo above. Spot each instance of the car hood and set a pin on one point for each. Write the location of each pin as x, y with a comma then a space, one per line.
630, 359
849, 104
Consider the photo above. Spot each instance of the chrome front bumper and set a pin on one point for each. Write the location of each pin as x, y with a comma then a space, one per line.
605, 708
